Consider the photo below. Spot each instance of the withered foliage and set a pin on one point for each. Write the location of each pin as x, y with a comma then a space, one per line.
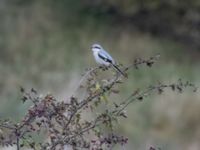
79, 123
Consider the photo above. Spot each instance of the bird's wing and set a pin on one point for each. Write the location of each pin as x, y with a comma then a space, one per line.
105, 56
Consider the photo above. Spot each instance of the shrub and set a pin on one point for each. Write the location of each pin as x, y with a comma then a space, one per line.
65, 123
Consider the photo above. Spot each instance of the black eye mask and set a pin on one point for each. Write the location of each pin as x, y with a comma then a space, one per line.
97, 47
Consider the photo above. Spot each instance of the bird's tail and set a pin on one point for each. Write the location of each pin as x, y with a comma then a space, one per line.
122, 73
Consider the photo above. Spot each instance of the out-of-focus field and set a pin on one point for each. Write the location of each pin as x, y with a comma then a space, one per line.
38, 49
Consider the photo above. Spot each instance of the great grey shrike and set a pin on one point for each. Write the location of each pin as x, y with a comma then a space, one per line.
103, 58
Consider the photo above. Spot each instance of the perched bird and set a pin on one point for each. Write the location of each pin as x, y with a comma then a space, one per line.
103, 58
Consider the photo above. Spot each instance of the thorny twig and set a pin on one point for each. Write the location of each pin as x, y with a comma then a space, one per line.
64, 121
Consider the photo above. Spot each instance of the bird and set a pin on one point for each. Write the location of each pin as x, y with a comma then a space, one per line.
104, 58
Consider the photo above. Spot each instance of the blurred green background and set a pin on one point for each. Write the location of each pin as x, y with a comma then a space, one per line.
45, 44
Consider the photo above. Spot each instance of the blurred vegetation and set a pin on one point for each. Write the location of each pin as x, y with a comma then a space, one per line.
46, 44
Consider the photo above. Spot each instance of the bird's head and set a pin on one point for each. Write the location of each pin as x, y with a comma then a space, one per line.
96, 47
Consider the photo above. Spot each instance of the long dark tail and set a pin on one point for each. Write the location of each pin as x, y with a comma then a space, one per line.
122, 73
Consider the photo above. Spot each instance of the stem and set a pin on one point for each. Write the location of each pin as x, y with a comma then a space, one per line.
87, 73
18, 146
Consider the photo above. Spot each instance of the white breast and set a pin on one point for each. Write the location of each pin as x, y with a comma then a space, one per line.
99, 60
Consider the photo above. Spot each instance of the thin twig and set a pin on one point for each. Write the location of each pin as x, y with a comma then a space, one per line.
18, 146
85, 75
